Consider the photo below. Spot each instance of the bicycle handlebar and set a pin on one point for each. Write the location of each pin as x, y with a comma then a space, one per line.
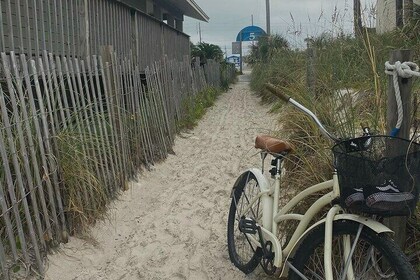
276, 91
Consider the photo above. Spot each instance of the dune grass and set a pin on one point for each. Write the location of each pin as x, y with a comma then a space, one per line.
196, 106
350, 90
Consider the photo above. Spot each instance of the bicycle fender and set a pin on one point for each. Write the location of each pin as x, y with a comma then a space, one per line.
266, 198
370, 223
262, 181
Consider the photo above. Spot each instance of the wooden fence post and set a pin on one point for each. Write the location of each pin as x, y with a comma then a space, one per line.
398, 224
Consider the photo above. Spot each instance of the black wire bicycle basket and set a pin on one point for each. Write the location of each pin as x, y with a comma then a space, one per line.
378, 175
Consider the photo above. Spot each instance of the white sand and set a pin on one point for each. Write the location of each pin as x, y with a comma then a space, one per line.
171, 224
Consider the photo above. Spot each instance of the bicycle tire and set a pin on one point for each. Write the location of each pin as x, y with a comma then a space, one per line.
243, 255
308, 258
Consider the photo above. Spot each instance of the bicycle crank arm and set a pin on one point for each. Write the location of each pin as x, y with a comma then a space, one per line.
266, 237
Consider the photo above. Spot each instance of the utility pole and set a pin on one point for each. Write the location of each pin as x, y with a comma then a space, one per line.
267, 8
357, 18
199, 31
240, 56
252, 20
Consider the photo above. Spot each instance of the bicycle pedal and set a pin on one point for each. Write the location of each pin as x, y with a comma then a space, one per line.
247, 225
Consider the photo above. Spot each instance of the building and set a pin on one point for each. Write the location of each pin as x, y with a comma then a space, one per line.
234, 59
390, 14
172, 12
144, 30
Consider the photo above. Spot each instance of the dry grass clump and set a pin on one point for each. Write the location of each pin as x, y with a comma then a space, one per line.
84, 193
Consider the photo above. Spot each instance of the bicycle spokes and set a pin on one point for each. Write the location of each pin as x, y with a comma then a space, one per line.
346, 240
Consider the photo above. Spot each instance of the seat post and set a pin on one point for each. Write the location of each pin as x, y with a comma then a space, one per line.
263, 156
276, 163
276, 174
279, 160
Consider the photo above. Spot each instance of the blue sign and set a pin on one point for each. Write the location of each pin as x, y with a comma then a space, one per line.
234, 59
250, 33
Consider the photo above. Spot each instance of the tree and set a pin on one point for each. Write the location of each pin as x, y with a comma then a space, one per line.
206, 51
266, 46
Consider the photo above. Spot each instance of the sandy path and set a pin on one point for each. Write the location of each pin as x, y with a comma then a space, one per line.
171, 224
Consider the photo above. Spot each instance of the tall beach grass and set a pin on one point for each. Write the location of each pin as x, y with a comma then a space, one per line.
350, 90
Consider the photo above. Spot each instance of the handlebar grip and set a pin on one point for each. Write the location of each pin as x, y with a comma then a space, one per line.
276, 91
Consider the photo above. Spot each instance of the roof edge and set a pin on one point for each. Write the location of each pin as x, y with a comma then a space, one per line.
204, 16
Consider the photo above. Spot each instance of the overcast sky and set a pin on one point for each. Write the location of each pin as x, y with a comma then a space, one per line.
293, 19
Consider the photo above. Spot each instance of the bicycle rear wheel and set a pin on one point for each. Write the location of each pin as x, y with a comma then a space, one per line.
242, 253
375, 256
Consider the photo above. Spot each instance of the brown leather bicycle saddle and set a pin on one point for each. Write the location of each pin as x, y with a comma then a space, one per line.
272, 145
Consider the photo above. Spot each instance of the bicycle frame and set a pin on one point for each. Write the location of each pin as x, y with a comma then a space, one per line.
272, 216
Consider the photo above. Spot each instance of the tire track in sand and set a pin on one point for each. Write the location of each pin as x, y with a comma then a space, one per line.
171, 224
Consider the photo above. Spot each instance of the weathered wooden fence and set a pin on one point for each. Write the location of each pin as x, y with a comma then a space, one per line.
73, 133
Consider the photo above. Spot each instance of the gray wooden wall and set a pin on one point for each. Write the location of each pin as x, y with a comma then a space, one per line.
78, 28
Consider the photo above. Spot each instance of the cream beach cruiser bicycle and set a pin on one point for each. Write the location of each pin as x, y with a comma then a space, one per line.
370, 177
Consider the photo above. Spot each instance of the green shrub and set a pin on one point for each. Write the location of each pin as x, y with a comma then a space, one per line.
196, 106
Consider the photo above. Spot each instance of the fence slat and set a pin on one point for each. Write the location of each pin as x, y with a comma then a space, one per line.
10, 189
160, 89
135, 127
157, 123
103, 126
8, 173
31, 147
129, 116
47, 143
49, 89
101, 166
21, 187
42, 151
106, 83
5, 213
119, 105
139, 96
148, 122
51, 148
81, 104
22, 144
3, 261
72, 86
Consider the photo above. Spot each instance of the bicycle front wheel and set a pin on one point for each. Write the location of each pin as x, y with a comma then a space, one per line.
243, 254
375, 256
